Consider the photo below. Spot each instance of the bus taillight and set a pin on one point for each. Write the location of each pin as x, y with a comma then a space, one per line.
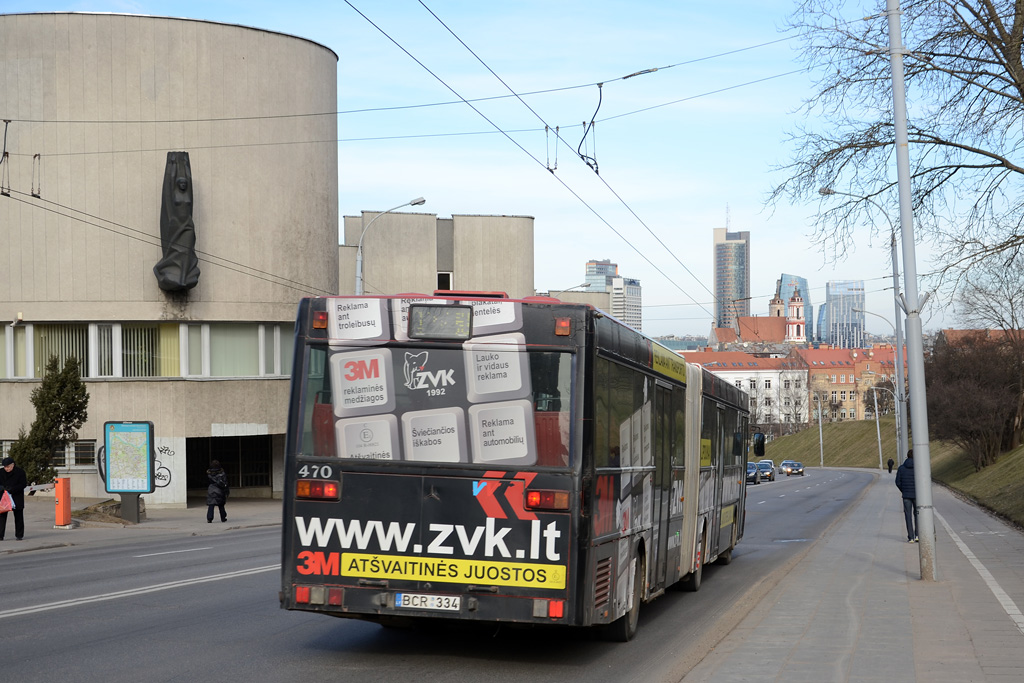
563, 327
547, 500
319, 320
317, 489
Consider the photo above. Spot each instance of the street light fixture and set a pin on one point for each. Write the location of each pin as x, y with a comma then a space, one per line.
359, 251
896, 328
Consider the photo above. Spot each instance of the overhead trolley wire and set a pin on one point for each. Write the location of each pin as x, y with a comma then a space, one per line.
521, 148
592, 163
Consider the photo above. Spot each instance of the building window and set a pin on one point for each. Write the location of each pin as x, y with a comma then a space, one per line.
62, 341
833, 379
786, 401
767, 384
853, 395
842, 414
842, 379
834, 396
150, 350
85, 453
796, 383
234, 350
739, 384
444, 281
785, 384
842, 396
767, 401
753, 384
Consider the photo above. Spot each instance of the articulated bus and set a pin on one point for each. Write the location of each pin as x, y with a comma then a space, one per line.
465, 457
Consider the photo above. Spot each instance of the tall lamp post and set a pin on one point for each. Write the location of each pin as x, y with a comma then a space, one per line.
821, 441
901, 395
875, 389
359, 251
897, 328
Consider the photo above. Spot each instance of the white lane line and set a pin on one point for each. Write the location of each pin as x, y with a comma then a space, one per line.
173, 552
760, 502
135, 591
1005, 600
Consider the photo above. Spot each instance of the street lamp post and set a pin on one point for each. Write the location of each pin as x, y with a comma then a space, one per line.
896, 403
897, 328
901, 396
821, 441
359, 251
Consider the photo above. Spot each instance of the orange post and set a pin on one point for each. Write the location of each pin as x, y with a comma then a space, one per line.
62, 502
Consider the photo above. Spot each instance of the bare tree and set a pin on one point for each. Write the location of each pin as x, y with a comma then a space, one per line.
992, 298
965, 83
972, 396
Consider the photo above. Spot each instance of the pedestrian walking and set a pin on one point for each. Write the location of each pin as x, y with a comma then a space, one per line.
13, 481
905, 483
217, 492
891, 463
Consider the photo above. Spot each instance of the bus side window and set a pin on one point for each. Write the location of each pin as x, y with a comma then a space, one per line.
319, 405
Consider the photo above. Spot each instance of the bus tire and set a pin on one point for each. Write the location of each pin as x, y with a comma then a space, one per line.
692, 582
725, 557
624, 628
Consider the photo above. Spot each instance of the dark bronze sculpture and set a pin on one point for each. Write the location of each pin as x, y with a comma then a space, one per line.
178, 270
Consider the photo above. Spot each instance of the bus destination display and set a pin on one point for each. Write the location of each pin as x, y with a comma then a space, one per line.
427, 321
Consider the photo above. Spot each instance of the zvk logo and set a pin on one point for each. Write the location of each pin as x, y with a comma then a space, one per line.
417, 376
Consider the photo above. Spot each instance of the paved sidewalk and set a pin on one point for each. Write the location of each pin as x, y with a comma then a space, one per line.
855, 607
40, 515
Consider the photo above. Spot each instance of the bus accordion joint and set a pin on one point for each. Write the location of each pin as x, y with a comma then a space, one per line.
547, 500
317, 489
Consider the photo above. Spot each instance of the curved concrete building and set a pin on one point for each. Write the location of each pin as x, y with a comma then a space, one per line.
95, 103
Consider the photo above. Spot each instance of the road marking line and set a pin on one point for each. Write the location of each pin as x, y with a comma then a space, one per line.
132, 592
1005, 600
172, 552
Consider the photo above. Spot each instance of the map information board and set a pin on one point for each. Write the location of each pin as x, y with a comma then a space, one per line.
129, 457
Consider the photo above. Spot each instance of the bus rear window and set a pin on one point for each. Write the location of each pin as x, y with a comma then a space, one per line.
489, 403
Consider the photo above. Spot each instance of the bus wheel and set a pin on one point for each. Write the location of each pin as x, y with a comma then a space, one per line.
692, 582
624, 628
724, 558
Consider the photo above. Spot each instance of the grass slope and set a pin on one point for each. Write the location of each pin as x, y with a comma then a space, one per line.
999, 488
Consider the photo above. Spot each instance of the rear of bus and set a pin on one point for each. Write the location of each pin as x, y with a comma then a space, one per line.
430, 458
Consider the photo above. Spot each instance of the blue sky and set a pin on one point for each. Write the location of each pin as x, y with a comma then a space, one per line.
702, 152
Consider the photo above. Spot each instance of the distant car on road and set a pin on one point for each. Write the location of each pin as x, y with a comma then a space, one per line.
784, 465
795, 468
753, 474
767, 468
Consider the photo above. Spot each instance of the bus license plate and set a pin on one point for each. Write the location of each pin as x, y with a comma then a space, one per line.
447, 603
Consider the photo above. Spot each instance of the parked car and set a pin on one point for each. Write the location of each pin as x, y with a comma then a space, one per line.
785, 465
753, 474
795, 468
767, 468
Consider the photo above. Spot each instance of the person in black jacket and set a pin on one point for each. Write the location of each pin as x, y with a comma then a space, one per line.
216, 492
906, 485
13, 480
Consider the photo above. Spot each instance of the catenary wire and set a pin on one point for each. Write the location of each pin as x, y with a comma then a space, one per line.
524, 150
593, 166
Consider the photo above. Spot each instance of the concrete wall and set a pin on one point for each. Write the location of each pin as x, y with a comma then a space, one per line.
403, 252
265, 213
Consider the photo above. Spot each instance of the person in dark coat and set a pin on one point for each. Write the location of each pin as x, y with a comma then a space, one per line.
13, 480
891, 463
216, 492
905, 483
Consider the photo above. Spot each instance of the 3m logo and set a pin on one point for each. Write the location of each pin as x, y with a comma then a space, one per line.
512, 491
361, 369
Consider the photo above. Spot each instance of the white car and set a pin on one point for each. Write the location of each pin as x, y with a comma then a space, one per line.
768, 461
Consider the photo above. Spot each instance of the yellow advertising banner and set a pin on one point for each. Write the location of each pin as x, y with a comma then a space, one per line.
523, 574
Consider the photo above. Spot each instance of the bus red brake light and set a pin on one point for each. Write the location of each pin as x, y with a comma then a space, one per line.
319, 320
547, 500
563, 327
317, 489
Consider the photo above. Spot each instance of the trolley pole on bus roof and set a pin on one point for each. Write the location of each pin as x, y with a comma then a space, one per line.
359, 251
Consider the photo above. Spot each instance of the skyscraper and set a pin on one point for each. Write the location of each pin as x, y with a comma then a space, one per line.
732, 276
626, 294
844, 325
790, 283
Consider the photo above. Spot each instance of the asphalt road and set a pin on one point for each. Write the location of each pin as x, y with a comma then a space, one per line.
201, 608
